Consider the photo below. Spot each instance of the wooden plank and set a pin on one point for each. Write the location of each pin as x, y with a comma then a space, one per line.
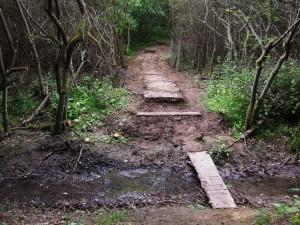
163, 96
150, 50
211, 181
168, 114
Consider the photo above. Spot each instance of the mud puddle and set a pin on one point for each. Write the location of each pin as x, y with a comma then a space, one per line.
106, 183
267, 191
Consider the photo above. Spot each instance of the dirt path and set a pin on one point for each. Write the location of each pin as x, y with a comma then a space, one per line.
150, 175
180, 131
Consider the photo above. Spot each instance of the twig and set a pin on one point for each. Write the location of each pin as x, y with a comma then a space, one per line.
37, 111
78, 159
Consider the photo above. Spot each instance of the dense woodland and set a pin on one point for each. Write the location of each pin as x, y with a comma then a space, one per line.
64, 70
51, 46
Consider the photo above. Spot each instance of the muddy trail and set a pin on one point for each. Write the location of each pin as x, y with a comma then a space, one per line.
70, 175
153, 168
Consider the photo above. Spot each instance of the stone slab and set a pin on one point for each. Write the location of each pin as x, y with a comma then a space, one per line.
168, 114
211, 181
153, 72
163, 96
166, 86
149, 78
150, 50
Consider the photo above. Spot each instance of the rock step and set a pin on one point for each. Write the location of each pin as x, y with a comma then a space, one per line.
168, 114
150, 50
167, 86
149, 78
163, 96
211, 181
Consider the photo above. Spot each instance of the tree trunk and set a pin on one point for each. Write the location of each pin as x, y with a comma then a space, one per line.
259, 68
178, 60
62, 108
5, 111
43, 88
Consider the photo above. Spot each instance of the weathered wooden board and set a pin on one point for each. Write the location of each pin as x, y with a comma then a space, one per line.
168, 114
155, 95
211, 181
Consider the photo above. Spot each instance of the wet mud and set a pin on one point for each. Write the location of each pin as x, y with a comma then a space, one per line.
70, 175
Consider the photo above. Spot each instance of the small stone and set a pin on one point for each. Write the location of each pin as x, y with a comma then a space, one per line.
117, 135
87, 140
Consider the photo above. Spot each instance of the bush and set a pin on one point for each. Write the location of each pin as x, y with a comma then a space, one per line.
91, 102
291, 211
296, 143
230, 93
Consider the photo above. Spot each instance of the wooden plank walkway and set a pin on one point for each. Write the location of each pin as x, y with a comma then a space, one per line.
211, 181
168, 114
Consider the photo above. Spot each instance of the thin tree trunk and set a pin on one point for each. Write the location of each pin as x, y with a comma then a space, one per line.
43, 88
259, 68
62, 109
5, 111
282, 59
179, 52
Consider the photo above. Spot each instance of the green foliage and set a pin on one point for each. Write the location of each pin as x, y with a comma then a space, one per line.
113, 139
113, 218
5, 207
296, 144
221, 153
263, 218
23, 103
93, 101
292, 211
230, 93
145, 19
69, 221
197, 207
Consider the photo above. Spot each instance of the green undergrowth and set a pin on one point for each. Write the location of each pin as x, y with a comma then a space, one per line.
290, 132
229, 93
92, 101
290, 211
21, 103
113, 218
281, 213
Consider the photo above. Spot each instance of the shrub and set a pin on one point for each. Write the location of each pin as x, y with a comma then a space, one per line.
263, 218
230, 93
92, 101
113, 218
292, 211
295, 146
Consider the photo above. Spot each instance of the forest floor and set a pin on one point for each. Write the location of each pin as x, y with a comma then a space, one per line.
144, 169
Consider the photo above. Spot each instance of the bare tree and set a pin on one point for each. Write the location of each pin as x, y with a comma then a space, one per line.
43, 86
6, 71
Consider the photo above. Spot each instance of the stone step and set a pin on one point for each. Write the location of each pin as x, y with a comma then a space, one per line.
149, 78
167, 86
150, 50
211, 181
163, 96
168, 114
